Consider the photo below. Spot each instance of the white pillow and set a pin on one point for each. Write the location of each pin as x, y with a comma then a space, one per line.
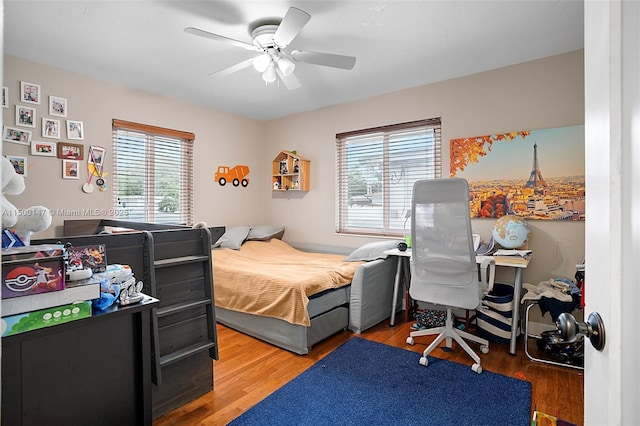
372, 251
233, 237
264, 233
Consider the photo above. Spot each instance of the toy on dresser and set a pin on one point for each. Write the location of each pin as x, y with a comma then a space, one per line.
18, 225
118, 283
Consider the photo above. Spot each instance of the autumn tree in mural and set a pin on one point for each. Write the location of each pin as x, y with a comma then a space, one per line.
469, 150
464, 151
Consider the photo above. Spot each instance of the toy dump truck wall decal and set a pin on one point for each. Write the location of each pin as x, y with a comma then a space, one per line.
236, 175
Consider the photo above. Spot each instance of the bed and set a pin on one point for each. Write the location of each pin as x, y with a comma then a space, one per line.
174, 263
293, 299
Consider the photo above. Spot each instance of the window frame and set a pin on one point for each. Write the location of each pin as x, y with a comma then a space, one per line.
388, 136
186, 141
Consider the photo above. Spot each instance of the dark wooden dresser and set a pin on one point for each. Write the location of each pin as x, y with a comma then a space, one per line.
92, 371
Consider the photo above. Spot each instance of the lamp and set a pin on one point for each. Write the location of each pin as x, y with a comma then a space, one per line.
407, 238
285, 66
269, 76
260, 63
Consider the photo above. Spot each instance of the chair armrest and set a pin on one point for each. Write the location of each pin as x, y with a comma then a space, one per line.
371, 293
486, 280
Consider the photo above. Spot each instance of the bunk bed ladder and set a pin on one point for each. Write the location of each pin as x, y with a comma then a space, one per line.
184, 325
148, 256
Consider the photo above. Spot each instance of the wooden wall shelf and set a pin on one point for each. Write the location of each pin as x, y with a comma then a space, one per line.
290, 172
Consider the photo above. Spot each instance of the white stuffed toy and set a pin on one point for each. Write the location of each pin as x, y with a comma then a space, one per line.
23, 222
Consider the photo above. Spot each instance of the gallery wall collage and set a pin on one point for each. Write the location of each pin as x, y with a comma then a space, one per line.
57, 137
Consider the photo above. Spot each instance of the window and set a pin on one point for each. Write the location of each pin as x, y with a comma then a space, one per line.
152, 173
376, 169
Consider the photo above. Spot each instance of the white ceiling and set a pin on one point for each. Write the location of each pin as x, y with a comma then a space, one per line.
398, 44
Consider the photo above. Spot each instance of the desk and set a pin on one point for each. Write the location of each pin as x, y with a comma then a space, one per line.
518, 264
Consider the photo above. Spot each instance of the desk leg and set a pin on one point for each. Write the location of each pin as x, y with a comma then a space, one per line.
515, 315
396, 289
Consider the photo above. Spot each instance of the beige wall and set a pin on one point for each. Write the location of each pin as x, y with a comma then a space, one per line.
221, 139
536, 95
541, 94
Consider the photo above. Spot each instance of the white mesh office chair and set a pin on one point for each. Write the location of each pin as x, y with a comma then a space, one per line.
443, 264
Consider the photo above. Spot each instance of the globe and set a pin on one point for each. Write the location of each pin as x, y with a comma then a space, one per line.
511, 232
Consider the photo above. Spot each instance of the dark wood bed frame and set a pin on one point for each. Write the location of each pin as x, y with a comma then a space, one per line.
174, 263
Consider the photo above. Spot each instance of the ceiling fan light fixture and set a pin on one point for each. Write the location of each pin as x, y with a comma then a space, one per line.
269, 76
261, 63
286, 66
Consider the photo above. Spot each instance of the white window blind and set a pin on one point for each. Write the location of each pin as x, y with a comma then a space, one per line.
152, 173
376, 169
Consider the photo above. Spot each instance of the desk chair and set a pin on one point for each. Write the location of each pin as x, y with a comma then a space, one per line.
443, 264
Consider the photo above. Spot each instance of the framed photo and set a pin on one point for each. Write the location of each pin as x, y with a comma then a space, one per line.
57, 106
45, 149
25, 116
11, 134
70, 151
30, 93
50, 128
19, 163
96, 155
5, 97
75, 130
70, 169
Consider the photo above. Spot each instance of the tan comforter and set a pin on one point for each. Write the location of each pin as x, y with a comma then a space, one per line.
273, 279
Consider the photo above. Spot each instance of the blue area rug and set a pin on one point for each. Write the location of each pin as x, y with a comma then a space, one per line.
364, 382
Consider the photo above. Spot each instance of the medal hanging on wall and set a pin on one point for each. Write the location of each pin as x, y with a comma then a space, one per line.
87, 187
95, 167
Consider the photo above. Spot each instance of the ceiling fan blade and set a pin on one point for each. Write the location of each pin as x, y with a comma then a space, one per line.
290, 26
325, 59
234, 68
291, 82
218, 37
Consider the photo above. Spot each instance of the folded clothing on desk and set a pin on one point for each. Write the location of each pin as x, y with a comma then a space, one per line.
554, 296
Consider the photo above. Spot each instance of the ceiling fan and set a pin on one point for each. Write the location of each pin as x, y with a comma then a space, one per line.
270, 39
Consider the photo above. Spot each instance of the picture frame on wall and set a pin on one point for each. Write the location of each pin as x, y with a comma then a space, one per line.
15, 135
25, 116
57, 106
19, 164
5, 97
29, 93
50, 128
70, 151
43, 148
70, 169
75, 130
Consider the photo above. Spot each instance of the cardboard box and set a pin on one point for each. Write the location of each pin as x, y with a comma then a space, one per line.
49, 317
32, 270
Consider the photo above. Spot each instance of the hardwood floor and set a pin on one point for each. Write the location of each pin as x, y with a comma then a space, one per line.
249, 370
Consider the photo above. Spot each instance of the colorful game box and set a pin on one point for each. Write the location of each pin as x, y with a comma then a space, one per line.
49, 317
32, 270
88, 257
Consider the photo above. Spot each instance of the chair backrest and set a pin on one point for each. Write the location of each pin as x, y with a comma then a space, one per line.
443, 264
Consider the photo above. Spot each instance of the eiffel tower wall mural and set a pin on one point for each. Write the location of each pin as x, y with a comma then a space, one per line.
534, 174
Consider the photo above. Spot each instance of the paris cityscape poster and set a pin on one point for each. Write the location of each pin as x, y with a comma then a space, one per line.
534, 174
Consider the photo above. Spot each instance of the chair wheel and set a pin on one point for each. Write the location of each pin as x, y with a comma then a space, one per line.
424, 361
484, 349
410, 341
477, 368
